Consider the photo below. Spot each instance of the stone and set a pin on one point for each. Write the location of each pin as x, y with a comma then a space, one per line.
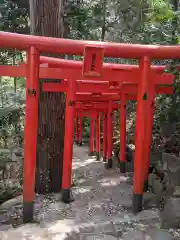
176, 192
170, 216
173, 178
170, 162
98, 237
149, 200
155, 158
150, 234
12, 202
151, 179
103, 228
158, 234
157, 186
5, 227
147, 215
134, 235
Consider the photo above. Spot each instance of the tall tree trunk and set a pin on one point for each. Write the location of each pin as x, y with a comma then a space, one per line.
103, 27
174, 41
47, 20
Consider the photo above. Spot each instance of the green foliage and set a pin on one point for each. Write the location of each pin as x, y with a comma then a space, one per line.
14, 16
161, 11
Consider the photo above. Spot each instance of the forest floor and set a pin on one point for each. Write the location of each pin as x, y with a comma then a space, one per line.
101, 210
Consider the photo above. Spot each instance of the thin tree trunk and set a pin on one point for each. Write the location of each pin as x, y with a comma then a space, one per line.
103, 28
174, 41
47, 20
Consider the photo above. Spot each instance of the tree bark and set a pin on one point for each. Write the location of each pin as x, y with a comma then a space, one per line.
47, 20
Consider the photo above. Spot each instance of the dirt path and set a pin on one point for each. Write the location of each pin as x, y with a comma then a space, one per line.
102, 206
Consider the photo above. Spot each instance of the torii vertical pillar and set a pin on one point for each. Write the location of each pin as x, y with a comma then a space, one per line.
98, 150
148, 141
109, 162
80, 130
105, 137
30, 133
77, 129
123, 134
143, 105
92, 129
67, 196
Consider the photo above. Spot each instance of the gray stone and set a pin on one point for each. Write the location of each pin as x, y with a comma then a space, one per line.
158, 234
99, 237
151, 179
134, 235
170, 162
147, 215
155, 158
157, 186
151, 234
5, 227
170, 216
149, 200
12, 202
103, 228
173, 178
176, 192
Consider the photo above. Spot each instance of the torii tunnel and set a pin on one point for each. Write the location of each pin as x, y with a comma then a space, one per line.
92, 87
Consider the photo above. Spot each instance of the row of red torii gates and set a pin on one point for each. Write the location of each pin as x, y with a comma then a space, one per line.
90, 86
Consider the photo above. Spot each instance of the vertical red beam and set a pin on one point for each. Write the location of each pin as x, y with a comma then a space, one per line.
123, 134
105, 137
77, 128
109, 162
92, 129
98, 151
30, 134
141, 111
80, 130
68, 142
148, 141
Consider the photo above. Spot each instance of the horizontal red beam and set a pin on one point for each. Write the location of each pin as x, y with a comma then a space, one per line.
63, 63
76, 47
89, 113
101, 106
122, 75
57, 73
102, 88
104, 98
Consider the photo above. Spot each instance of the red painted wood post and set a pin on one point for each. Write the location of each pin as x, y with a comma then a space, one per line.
92, 129
141, 127
98, 151
77, 128
67, 196
123, 134
147, 147
105, 137
80, 130
109, 162
30, 133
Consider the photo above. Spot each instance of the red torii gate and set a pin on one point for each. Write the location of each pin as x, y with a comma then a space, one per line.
92, 68
96, 107
112, 94
110, 97
122, 106
81, 109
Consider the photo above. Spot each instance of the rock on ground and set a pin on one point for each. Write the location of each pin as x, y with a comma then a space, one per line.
152, 234
170, 216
